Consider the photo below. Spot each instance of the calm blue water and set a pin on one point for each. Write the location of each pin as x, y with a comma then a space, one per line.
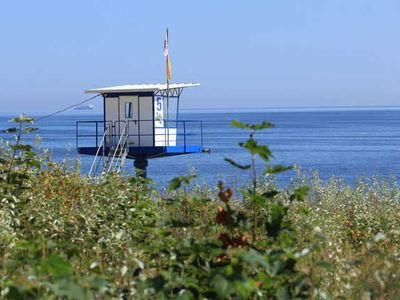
347, 143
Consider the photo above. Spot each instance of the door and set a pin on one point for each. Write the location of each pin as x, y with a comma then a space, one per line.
129, 114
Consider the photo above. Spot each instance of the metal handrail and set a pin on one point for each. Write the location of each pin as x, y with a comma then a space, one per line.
117, 148
77, 135
102, 143
117, 134
125, 143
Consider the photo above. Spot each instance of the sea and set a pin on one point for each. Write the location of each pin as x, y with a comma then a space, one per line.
347, 143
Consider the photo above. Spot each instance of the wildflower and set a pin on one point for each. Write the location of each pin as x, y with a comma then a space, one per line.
379, 237
317, 229
302, 253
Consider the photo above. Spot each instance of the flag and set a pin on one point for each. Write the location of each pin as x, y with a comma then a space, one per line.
166, 45
167, 60
169, 75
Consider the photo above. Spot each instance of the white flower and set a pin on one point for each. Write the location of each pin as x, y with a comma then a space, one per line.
139, 263
124, 269
317, 229
303, 253
379, 237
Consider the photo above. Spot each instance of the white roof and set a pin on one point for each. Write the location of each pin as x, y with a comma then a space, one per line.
140, 88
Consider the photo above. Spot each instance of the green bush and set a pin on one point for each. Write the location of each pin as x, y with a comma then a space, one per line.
63, 236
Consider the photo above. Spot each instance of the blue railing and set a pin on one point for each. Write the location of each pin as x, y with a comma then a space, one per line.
141, 133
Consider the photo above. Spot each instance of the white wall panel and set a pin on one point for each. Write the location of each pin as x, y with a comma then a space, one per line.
146, 121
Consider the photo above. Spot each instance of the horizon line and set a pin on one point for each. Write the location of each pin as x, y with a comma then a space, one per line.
293, 107
194, 109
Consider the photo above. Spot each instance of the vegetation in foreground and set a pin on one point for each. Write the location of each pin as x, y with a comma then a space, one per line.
63, 236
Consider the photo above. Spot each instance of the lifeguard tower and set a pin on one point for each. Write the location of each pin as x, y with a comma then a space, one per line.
140, 122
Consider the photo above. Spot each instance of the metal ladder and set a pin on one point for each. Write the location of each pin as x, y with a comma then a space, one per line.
114, 160
100, 153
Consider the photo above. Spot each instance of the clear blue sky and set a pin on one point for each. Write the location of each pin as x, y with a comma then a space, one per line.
285, 53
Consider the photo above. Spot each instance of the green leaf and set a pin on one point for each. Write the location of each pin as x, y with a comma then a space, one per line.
254, 258
26, 245
263, 125
258, 199
303, 210
9, 130
176, 182
68, 289
283, 293
57, 266
239, 124
275, 267
239, 166
34, 163
261, 150
15, 177
157, 283
276, 221
245, 287
299, 194
270, 194
21, 147
252, 127
22, 119
221, 286
277, 169
29, 130
187, 179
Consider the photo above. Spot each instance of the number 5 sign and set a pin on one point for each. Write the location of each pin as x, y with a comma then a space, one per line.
158, 112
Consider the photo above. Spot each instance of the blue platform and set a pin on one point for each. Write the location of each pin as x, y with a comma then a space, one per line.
148, 152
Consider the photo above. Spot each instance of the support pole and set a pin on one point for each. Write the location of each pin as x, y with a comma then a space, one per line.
141, 164
168, 73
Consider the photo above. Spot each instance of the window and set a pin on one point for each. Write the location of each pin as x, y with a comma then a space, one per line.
128, 110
